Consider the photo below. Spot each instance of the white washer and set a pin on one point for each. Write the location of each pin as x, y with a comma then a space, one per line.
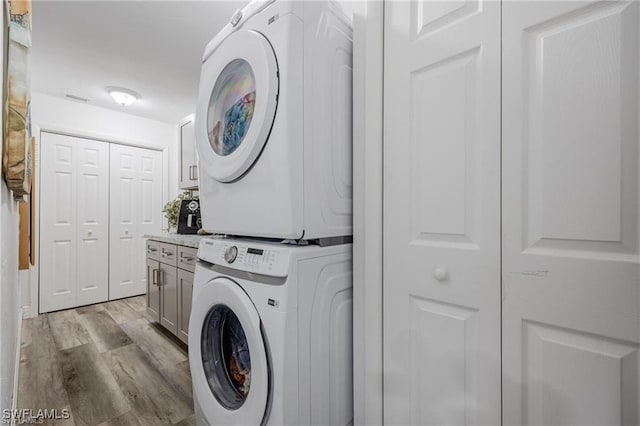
270, 334
273, 122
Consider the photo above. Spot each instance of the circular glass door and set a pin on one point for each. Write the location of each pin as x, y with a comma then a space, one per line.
229, 362
236, 104
225, 357
231, 107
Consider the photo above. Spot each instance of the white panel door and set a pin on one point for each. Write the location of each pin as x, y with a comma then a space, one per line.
441, 225
92, 210
136, 209
74, 178
571, 274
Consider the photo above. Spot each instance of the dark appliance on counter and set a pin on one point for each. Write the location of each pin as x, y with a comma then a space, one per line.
189, 221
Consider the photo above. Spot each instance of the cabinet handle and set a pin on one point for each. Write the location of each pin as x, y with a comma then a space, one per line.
151, 250
161, 278
193, 172
166, 253
186, 259
155, 277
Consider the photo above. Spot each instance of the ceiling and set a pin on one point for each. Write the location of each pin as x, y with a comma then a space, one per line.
151, 47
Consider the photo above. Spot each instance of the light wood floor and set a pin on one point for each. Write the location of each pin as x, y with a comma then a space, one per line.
107, 364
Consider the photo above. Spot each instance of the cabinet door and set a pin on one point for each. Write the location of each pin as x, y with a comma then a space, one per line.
169, 297
185, 291
188, 163
153, 289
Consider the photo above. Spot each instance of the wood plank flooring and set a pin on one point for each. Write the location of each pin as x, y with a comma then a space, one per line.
108, 365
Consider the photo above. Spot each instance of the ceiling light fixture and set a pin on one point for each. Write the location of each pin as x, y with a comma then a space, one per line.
124, 97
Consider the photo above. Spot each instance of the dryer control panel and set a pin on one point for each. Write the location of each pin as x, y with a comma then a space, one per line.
247, 256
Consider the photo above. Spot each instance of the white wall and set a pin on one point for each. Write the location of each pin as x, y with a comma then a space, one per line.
75, 118
9, 293
78, 119
9, 284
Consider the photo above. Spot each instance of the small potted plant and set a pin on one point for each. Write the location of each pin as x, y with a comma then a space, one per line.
171, 210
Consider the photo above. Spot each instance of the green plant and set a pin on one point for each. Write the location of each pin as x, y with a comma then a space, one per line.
171, 210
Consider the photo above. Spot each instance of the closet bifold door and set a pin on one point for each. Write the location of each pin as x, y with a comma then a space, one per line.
74, 227
571, 274
136, 210
441, 221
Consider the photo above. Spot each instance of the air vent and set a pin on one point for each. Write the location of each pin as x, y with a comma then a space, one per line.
77, 98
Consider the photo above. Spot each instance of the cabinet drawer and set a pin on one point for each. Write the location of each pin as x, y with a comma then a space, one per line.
187, 258
168, 254
153, 250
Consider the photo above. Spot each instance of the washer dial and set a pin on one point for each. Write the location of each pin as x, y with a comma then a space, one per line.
230, 254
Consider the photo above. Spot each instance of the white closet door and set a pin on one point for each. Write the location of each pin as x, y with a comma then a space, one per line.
73, 222
136, 209
571, 274
92, 212
441, 223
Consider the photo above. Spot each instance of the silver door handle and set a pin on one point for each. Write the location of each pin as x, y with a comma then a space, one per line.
155, 277
151, 249
160, 278
186, 259
166, 253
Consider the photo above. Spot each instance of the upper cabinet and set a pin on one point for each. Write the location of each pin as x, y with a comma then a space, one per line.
188, 159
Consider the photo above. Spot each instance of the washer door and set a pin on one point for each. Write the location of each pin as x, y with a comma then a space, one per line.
227, 355
236, 104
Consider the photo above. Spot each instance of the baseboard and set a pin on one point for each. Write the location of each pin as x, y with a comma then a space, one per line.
16, 373
28, 312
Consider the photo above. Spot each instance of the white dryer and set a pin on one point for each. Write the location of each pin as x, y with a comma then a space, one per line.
273, 122
270, 334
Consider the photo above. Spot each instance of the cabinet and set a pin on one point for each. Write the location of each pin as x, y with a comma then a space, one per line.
153, 291
185, 292
170, 286
188, 158
169, 297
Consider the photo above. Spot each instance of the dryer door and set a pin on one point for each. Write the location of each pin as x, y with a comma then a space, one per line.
237, 103
227, 355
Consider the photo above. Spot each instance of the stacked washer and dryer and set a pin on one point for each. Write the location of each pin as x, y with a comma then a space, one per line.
270, 333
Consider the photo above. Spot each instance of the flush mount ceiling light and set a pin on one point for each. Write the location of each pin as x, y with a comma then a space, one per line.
124, 97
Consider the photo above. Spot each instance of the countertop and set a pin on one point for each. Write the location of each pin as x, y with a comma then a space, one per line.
187, 240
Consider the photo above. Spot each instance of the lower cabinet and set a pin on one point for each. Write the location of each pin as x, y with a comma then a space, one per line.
169, 297
185, 292
170, 287
153, 291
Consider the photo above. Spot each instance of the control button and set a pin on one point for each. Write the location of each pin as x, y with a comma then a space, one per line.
230, 254
236, 17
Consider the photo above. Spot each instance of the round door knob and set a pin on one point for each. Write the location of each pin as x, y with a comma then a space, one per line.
440, 274
230, 254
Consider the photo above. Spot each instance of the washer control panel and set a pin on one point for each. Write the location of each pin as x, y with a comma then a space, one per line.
247, 256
